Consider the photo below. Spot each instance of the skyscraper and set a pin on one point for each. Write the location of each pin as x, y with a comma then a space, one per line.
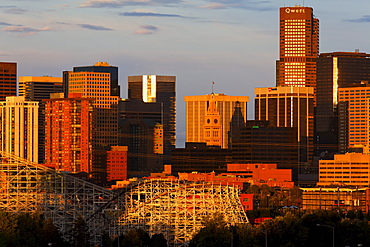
97, 86
68, 133
160, 89
196, 114
8, 80
289, 107
37, 88
103, 67
335, 70
354, 117
212, 127
18, 127
299, 47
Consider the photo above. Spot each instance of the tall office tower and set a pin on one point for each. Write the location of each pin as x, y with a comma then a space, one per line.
212, 127
354, 117
334, 71
18, 127
160, 89
289, 107
8, 80
103, 67
140, 128
299, 47
97, 86
68, 132
37, 88
196, 112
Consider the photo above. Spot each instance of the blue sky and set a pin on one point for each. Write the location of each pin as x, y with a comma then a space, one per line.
231, 42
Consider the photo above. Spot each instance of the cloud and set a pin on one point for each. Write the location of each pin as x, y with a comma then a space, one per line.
214, 6
7, 7
121, 3
93, 27
149, 14
242, 4
25, 30
146, 29
16, 11
365, 18
5, 24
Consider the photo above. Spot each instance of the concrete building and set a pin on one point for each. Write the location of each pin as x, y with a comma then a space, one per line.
350, 169
117, 163
335, 70
8, 80
299, 47
69, 133
37, 88
160, 89
19, 127
289, 107
196, 114
354, 116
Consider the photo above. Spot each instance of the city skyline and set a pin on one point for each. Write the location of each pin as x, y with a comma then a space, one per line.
233, 43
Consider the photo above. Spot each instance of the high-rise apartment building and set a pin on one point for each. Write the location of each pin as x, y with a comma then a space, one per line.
97, 86
289, 107
334, 71
354, 117
19, 127
37, 88
8, 80
299, 47
68, 133
160, 89
196, 114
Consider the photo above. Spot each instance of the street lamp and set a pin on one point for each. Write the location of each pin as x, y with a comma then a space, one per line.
332, 227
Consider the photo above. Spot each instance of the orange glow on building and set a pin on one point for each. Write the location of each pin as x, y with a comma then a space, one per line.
68, 133
117, 163
299, 47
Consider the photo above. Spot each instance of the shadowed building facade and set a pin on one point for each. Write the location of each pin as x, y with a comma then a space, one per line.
8, 80
159, 89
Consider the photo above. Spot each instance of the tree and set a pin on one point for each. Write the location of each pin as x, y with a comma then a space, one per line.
215, 233
8, 231
80, 233
158, 240
136, 238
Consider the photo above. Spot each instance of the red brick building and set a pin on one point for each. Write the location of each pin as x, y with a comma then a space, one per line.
117, 163
68, 133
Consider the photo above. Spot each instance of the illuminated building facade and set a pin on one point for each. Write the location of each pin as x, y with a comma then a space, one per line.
68, 133
101, 67
212, 126
299, 47
8, 80
19, 127
354, 116
97, 86
289, 107
335, 71
160, 89
196, 114
117, 163
37, 88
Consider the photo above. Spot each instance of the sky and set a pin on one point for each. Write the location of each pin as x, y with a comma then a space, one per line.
234, 43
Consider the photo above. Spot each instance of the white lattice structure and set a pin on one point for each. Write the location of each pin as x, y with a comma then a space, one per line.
177, 209
29, 187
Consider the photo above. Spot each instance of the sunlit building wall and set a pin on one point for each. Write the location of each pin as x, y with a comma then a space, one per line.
37, 88
19, 127
354, 116
117, 163
68, 133
196, 114
299, 47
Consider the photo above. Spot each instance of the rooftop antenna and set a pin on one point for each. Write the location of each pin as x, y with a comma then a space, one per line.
213, 83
